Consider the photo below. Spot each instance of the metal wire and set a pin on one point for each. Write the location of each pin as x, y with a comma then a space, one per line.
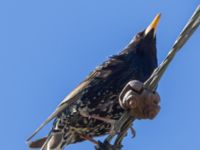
154, 79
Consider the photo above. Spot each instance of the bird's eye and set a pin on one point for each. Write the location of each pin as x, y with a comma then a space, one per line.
137, 36
140, 35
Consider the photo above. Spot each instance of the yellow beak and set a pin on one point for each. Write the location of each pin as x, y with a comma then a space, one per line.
153, 24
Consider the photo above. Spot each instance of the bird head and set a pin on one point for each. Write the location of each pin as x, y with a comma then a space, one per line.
140, 54
144, 42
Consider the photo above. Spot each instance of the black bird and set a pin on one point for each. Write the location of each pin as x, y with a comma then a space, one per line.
98, 94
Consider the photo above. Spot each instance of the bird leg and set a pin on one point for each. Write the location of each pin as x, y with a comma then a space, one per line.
104, 119
139, 101
85, 137
123, 133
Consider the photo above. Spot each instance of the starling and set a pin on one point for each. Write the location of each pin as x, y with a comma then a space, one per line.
98, 94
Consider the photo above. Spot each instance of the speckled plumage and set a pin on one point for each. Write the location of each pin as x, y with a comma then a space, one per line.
98, 93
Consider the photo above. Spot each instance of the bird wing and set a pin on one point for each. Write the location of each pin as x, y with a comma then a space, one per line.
100, 72
74, 95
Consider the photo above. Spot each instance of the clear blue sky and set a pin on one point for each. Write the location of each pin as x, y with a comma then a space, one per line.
48, 47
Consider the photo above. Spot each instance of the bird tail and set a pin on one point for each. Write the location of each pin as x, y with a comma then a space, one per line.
37, 143
52, 142
58, 138
55, 141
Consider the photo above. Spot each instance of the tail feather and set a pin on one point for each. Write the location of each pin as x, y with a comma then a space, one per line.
58, 138
53, 142
38, 143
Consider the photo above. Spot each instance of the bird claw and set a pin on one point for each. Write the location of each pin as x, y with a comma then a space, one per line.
133, 132
107, 146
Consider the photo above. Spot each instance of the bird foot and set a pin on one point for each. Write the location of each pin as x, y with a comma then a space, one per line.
139, 101
107, 146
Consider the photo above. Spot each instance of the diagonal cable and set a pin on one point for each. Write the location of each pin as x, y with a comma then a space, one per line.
152, 82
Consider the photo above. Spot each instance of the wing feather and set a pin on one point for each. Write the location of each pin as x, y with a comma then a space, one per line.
101, 72
74, 95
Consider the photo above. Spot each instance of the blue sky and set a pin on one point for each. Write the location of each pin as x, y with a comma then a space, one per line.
48, 47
